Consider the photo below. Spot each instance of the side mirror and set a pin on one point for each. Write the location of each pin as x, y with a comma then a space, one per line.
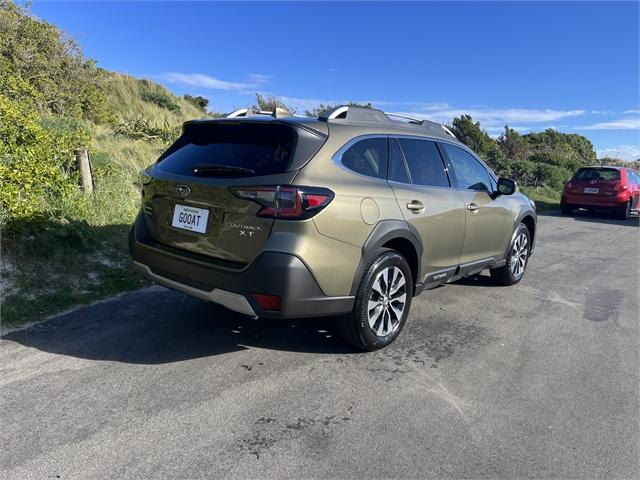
506, 186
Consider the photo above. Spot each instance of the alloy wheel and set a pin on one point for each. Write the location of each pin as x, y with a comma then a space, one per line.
387, 301
519, 255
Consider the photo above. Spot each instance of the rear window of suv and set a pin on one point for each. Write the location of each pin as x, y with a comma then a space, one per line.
261, 149
604, 174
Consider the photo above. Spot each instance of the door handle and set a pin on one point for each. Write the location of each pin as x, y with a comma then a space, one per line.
415, 206
472, 207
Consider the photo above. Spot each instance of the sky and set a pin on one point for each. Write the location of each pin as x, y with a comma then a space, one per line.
570, 66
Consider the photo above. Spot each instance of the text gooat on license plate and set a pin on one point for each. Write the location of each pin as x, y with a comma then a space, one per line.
190, 218
591, 190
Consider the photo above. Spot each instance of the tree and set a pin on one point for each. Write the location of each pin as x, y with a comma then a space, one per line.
269, 103
199, 102
498, 161
471, 134
513, 145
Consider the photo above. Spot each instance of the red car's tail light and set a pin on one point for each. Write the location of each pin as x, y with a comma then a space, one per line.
286, 201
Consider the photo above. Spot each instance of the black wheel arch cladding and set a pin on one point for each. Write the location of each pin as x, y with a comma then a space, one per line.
398, 235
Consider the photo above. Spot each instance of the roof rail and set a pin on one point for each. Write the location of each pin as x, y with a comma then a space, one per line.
413, 120
355, 115
446, 129
238, 113
248, 112
371, 115
422, 122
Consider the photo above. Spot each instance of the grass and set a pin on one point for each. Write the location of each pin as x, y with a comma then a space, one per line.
80, 255
546, 198
48, 275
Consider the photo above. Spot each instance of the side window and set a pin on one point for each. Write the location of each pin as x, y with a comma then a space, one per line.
424, 162
469, 172
367, 157
397, 167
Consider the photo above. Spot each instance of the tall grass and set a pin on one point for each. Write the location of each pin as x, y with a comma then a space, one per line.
81, 255
127, 93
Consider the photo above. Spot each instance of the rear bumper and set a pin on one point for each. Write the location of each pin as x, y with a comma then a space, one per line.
272, 273
587, 200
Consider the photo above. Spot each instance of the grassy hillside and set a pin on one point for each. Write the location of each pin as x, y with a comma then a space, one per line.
79, 254
127, 97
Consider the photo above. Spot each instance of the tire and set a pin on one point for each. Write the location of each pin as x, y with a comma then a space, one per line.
357, 327
511, 274
566, 209
625, 212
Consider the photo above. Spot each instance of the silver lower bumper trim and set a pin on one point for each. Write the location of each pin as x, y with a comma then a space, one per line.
232, 301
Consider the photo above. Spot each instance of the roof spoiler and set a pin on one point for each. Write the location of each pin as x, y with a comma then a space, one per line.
348, 114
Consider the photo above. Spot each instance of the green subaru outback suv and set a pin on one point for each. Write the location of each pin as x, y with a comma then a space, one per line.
350, 214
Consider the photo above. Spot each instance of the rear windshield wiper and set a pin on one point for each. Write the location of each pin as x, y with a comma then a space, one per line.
213, 170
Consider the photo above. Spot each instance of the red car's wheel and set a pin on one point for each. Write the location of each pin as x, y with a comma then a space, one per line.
625, 211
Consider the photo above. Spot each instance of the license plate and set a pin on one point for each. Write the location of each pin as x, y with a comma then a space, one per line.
190, 218
591, 190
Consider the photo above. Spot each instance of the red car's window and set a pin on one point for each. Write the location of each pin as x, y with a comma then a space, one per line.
605, 174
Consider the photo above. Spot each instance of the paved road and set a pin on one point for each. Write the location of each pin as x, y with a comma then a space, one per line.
538, 380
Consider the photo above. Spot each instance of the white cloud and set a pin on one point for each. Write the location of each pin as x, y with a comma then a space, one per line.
631, 111
491, 118
631, 123
260, 78
625, 152
205, 81
301, 103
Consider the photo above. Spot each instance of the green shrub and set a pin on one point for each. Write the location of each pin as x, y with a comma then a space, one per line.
61, 81
162, 100
36, 161
199, 102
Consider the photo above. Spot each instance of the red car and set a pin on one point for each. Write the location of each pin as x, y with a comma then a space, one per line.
615, 189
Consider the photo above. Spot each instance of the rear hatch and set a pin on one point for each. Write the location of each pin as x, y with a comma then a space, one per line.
188, 194
595, 182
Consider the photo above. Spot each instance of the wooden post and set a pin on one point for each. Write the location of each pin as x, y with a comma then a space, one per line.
84, 166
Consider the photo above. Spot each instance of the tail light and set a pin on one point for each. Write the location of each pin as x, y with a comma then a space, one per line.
286, 201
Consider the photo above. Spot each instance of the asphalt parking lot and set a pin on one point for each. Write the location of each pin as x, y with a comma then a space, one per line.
537, 380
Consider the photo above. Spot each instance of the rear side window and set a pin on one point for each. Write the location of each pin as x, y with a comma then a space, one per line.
470, 173
367, 157
605, 174
259, 149
397, 168
424, 162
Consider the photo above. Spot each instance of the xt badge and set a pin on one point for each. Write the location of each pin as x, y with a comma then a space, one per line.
245, 230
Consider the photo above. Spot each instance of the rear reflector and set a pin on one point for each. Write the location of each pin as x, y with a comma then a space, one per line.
267, 302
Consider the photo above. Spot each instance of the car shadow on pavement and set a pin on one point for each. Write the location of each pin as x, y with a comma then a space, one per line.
156, 326
595, 217
477, 280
